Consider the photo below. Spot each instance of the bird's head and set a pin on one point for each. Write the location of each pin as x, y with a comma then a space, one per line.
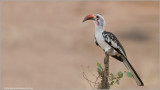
98, 19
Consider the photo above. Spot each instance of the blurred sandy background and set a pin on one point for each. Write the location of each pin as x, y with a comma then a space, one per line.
44, 44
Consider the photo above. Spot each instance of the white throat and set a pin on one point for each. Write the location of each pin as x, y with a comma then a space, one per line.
99, 27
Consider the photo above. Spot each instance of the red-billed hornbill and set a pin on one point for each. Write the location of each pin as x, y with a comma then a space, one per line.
110, 44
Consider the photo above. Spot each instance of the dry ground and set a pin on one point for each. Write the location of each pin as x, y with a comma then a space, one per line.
44, 44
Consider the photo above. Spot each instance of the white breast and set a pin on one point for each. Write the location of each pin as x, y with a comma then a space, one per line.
100, 41
105, 46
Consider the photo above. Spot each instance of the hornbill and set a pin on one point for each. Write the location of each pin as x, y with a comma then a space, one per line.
110, 44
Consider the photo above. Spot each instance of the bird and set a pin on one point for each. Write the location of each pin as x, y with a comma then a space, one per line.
109, 43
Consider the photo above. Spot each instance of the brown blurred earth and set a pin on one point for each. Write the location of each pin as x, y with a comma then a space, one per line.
45, 44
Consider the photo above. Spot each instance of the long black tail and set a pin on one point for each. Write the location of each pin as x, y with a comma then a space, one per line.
131, 69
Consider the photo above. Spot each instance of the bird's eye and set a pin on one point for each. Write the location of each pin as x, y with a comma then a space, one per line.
97, 17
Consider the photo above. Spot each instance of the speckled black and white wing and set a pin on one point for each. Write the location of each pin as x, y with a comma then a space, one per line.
114, 43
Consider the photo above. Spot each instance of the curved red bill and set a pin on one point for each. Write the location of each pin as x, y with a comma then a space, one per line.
89, 17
